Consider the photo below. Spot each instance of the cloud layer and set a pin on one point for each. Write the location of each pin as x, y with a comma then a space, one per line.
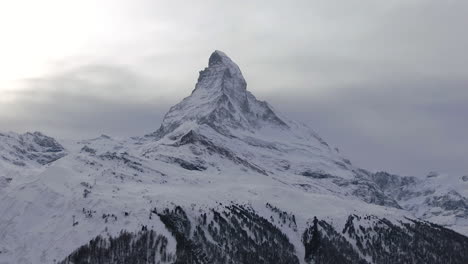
386, 82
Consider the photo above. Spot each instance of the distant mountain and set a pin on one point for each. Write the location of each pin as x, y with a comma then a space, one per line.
225, 179
437, 198
29, 149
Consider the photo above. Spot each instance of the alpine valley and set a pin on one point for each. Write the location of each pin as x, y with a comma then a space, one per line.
225, 179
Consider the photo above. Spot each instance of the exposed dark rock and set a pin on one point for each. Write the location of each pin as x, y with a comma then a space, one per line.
35, 147
367, 191
193, 138
124, 158
317, 174
451, 201
402, 188
88, 150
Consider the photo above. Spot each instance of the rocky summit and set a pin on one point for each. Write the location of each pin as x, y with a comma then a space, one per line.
225, 179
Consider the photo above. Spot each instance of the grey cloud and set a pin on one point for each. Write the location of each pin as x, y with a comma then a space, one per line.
86, 101
386, 82
407, 125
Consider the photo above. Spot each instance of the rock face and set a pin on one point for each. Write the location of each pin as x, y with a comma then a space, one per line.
29, 148
225, 179
435, 198
221, 101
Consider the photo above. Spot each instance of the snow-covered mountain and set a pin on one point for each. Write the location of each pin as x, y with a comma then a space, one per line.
26, 154
225, 179
437, 198
29, 149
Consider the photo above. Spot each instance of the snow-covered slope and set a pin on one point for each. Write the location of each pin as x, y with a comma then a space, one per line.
223, 177
29, 149
22, 155
222, 125
437, 198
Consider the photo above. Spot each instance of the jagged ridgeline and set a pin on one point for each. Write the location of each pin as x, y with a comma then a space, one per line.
237, 234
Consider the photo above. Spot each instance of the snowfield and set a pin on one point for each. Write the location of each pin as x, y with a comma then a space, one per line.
217, 149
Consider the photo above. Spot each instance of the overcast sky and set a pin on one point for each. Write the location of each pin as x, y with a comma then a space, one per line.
384, 81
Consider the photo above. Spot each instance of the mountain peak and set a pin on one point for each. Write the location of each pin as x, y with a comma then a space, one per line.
218, 57
220, 100
221, 74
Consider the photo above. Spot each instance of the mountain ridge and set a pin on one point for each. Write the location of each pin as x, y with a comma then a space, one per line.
221, 161
220, 97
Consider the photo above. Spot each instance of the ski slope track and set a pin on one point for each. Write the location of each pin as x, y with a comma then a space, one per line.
225, 179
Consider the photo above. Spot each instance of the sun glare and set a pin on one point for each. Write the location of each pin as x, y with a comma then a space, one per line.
36, 34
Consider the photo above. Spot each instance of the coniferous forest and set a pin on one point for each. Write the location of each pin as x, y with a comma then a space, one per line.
236, 234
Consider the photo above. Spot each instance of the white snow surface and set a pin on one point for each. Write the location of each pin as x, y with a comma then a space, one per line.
219, 145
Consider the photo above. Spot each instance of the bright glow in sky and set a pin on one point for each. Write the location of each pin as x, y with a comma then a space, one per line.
36, 33
36, 36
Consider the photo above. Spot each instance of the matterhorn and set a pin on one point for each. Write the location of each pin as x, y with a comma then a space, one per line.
226, 178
